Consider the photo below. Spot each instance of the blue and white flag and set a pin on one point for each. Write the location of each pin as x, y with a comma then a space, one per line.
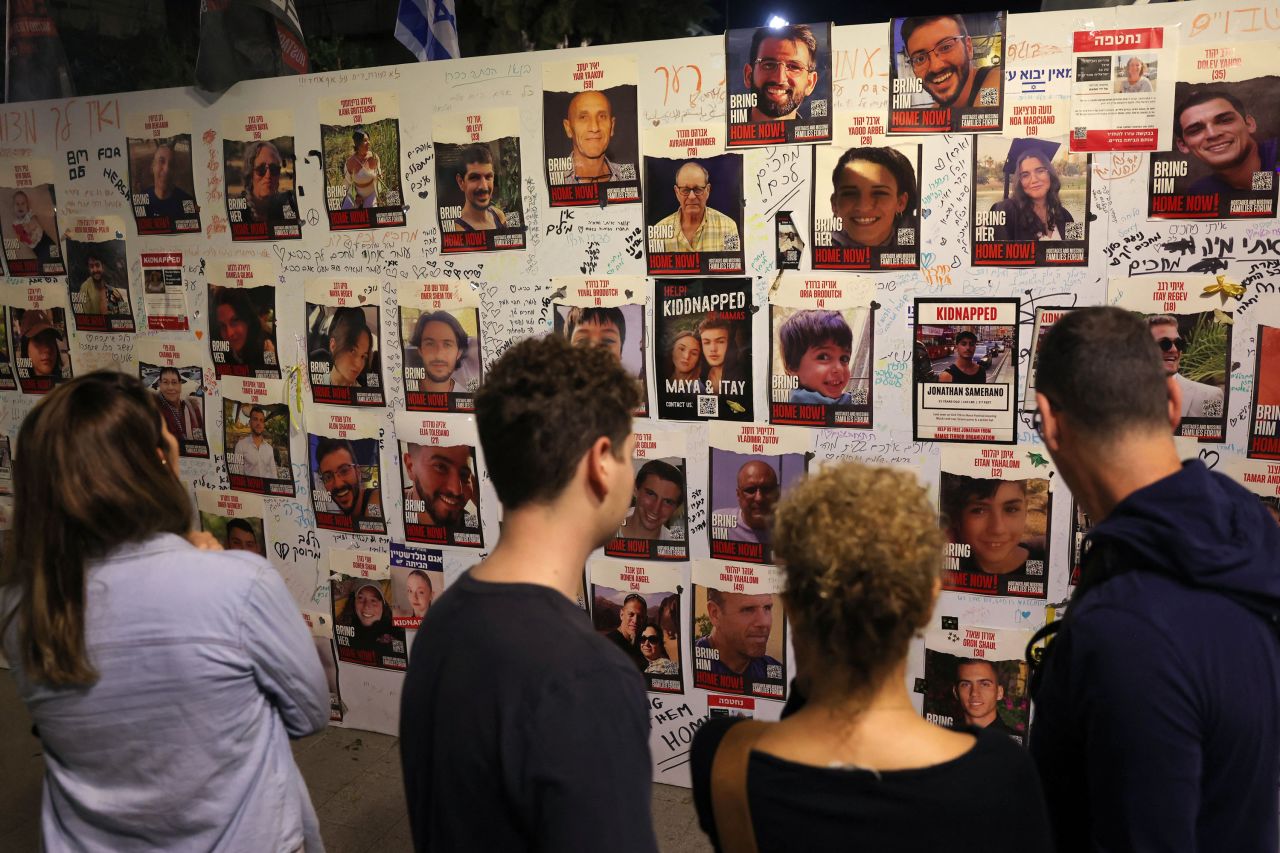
429, 28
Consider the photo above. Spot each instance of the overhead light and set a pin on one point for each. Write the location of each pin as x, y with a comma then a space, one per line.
776, 21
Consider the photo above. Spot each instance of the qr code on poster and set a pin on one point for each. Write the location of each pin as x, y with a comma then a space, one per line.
1263, 180
906, 236
1079, 133
1074, 230
989, 96
818, 109
708, 406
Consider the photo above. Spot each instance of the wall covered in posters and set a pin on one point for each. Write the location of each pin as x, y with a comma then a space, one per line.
314, 274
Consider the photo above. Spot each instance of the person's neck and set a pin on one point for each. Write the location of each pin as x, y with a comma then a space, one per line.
889, 695
1106, 475
692, 221
477, 216
438, 387
734, 661
714, 375
1240, 176
543, 544
964, 362
590, 168
983, 721
258, 438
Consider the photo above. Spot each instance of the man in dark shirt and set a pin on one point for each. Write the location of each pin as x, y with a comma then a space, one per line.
521, 728
1213, 126
964, 368
740, 629
632, 619
978, 690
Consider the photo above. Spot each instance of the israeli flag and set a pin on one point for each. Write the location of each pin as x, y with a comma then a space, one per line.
429, 28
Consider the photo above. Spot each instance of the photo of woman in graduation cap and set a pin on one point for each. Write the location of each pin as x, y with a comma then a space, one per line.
1032, 201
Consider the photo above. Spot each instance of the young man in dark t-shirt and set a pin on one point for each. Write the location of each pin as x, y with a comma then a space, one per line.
520, 727
964, 369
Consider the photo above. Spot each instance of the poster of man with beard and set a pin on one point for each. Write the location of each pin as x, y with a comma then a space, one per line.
779, 84
346, 472
440, 337
255, 434
98, 274
441, 476
480, 201
947, 73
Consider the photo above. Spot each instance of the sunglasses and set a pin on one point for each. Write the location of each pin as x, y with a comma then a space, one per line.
262, 168
1167, 344
648, 638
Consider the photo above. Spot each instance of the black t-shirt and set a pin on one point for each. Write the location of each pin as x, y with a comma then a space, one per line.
986, 801
958, 376
521, 728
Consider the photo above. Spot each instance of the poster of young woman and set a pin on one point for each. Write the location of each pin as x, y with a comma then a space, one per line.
657, 525
866, 203
362, 623
480, 202
175, 373
37, 330
702, 358
242, 318
609, 313
343, 335
29, 218
260, 173
161, 181
440, 336
417, 580
360, 143
636, 606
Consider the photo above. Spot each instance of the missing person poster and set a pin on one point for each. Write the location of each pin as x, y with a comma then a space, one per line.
1037, 75
255, 424
591, 138
1119, 100
609, 313
362, 623
360, 142
752, 466
1260, 476
1195, 345
237, 521
1030, 203
966, 377
7, 381
693, 205
6, 467
947, 74
702, 341
242, 318
821, 350
175, 373
37, 330
866, 202
657, 525
161, 180
1226, 132
29, 218
739, 629
343, 332
98, 274
260, 172
440, 474
778, 84
164, 294
480, 204
321, 625
1264, 413
346, 471
440, 336
1046, 316
976, 677
1081, 524
636, 606
417, 579
995, 507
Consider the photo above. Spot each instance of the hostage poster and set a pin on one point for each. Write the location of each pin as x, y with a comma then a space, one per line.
657, 524
702, 343
636, 606
976, 677
739, 630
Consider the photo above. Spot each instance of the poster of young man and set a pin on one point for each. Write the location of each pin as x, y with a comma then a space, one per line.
360, 141
739, 629
1119, 102
1046, 316
1264, 413
1226, 136
7, 380
37, 330
591, 139
995, 506
242, 318
693, 208
976, 677
164, 295
346, 472
161, 183
362, 625
480, 203
237, 521
440, 474
260, 171
947, 74
1195, 346
609, 313
636, 606
343, 353
1030, 203
29, 218
321, 625
175, 373
778, 84
871, 218
966, 375
1081, 524
702, 342
98, 274
255, 425
417, 579
657, 525
440, 336
821, 350
752, 466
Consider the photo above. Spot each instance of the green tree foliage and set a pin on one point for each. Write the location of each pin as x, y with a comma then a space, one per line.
511, 26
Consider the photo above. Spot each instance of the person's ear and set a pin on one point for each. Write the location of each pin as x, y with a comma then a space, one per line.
999, 692
568, 129
599, 461
1182, 146
746, 77
1175, 403
1050, 423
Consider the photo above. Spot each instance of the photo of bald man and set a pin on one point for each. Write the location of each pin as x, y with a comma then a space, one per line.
590, 136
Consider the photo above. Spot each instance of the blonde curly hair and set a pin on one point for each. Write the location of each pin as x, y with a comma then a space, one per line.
861, 549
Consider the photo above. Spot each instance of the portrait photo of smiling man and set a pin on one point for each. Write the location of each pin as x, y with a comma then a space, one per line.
346, 484
590, 131
783, 91
947, 73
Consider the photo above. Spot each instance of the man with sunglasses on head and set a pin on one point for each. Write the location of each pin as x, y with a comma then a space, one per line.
782, 71
941, 55
695, 226
1198, 399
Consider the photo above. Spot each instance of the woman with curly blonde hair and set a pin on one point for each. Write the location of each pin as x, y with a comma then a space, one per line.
857, 767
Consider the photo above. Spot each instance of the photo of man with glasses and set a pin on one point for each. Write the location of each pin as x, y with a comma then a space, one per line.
343, 484
695, 226
784, 95
942, 79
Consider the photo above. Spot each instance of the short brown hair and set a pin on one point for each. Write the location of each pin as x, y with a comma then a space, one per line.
541, 407
87, 480
860, 548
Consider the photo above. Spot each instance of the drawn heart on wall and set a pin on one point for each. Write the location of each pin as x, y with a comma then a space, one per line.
628, 293
1210, 458
926, 259
282, 548
362, 298
926, 211
199, 335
